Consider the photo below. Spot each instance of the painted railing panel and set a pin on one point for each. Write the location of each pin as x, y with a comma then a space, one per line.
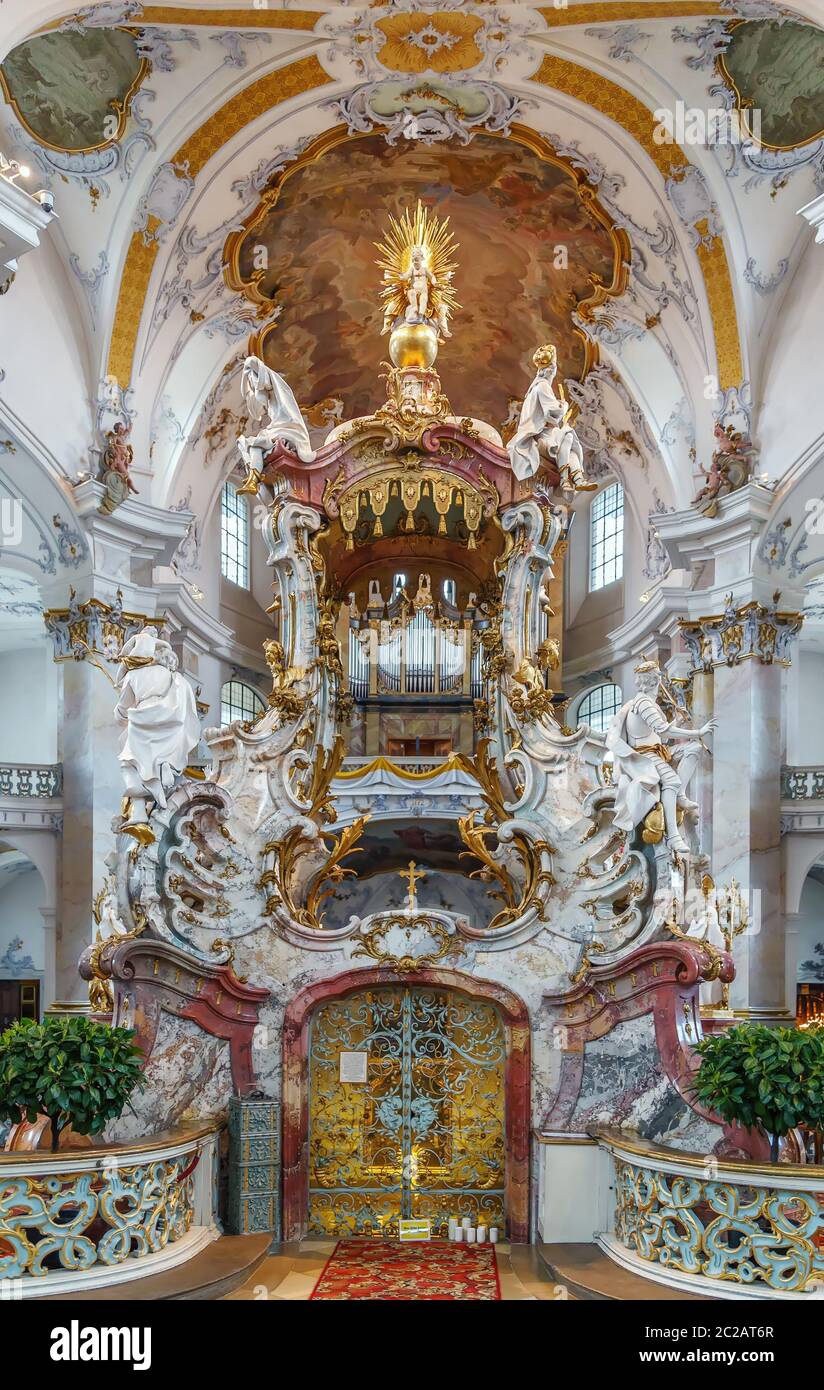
750, 1228
99, 1209
31, 779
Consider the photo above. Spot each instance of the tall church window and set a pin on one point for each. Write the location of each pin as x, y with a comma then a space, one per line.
606, 553
239, 701
234, 536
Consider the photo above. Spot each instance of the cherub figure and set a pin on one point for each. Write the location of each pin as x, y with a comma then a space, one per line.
418, 280
118, 454
729, 469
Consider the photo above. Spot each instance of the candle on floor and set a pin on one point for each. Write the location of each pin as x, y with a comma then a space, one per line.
453, 1221
482, 1235
493, 1235
470, 1235
467, 1222
459, 1234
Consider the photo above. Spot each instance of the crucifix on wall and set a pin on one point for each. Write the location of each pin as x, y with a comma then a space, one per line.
411, 874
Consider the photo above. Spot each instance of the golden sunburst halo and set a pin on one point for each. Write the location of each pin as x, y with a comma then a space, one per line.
421, 228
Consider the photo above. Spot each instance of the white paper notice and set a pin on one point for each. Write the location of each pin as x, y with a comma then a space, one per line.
353, 1066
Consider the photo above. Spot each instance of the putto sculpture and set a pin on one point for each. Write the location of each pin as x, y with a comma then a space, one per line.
646, 770
115, 466
158, 709
268, 398
543, 433
416, 260
729, 468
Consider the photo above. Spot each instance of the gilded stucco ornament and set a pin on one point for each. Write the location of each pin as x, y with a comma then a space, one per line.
743, 632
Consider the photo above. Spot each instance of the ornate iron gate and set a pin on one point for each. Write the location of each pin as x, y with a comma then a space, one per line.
424, 1135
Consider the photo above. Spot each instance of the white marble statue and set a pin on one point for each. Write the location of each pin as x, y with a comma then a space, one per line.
542, 432
268, 398
157, 707
646, 769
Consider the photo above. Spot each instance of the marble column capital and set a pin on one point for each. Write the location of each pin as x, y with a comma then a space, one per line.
748, 631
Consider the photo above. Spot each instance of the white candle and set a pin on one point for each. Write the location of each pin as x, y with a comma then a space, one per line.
493, 1235
467, 1222
470, 1235
482, 1235
453, 1221
459, 1234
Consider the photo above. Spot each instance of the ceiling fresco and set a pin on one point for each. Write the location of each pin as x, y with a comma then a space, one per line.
531, 251
65, 85
778, 68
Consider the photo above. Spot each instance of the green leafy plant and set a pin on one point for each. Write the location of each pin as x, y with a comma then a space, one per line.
764, 1078
73, 1070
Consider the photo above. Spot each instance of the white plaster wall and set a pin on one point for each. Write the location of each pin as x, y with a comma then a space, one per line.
809, 925
805, 728
29, 688
790, 416
20, 902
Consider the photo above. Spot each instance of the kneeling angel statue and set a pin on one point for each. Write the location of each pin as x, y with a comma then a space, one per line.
268, 398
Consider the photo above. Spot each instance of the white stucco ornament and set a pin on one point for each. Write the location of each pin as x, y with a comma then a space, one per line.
269, 399
157, 707
543, 433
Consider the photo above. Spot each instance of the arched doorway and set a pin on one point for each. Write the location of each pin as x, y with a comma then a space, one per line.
439, 1127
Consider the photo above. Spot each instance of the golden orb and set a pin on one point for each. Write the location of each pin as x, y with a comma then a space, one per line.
413, 345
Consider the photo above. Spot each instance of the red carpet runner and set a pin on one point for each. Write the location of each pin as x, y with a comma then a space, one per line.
437, 1271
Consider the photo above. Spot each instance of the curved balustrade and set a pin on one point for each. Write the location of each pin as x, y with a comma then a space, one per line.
86, 1218
714, 1226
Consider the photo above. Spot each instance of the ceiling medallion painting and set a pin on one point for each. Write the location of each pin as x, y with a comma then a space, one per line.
536, 249
430, 42
777, 68
72, 91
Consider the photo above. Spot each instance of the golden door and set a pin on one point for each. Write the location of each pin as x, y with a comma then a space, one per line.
424, 1134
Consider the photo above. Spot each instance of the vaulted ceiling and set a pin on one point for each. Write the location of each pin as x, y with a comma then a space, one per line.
179, 141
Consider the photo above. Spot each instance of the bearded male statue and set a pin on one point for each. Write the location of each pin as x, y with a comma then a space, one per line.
647, 770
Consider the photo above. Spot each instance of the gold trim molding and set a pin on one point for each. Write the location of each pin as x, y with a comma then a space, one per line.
620, 106
616, 11
254, 101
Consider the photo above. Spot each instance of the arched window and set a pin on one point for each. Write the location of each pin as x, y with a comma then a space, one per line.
606, 531
450, 591
234, 536
398, 585
598, 707
239, 701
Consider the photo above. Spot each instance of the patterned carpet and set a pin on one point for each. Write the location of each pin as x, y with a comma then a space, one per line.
436, 1271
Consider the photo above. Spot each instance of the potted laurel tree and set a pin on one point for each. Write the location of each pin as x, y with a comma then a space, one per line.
770, 1079
71, 1069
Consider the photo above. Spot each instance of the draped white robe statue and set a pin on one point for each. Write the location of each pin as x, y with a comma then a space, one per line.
157, 707
543, 434
268, 396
